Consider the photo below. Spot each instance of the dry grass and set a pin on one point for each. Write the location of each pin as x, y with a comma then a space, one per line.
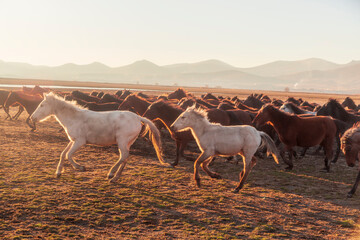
152, 202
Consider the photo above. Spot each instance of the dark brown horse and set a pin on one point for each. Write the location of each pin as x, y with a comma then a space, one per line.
334, 109
84, 96
297, 131
138, 104
350, 145
3, 96
349, 103
252, 101
178, 94
29, 102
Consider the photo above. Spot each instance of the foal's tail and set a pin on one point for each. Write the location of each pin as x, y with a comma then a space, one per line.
267, 141
154, 136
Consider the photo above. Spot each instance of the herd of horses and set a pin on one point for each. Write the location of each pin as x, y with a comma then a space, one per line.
221, 126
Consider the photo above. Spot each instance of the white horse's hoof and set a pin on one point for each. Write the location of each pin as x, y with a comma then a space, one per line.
112, 180
110, 176
58, 175
82, 168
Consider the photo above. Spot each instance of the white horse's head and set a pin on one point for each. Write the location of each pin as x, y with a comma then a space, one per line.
188, 118
45, 108
285, 108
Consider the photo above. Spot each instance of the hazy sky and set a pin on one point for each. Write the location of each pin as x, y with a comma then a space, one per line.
243, 33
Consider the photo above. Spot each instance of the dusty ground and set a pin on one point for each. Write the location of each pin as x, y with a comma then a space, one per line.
152, 202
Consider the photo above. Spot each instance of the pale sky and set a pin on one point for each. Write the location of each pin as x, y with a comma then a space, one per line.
243, 33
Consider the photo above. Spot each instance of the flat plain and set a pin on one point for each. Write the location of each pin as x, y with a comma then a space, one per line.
153, 202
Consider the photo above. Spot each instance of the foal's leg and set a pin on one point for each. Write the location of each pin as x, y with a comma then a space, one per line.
73, 148
203, 156
205, 166
245, 172
59, 169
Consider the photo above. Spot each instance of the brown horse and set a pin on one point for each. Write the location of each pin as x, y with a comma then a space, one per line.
29, 102
178, 94
349, 103
297, 131
138, 104
350, 145
3, 96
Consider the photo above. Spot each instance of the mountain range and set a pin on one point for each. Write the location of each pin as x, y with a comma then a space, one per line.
312, 74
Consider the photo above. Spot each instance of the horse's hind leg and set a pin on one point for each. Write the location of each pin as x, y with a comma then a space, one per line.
203, 156
205, 166
73, 148
118, 167
59, 169
328, 155
245, 172
115, 171
353, 189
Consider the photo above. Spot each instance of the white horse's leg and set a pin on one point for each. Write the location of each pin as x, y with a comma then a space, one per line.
249, 163
119, 166
205, 166
203, 156
74, 147
123, 147
62, 158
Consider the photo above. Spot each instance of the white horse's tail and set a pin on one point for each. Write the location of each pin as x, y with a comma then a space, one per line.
271, 148
154, 136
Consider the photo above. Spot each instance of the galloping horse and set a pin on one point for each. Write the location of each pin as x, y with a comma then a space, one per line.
29, 102
297, 131
216, 140
101, 128
350, 145
3, 96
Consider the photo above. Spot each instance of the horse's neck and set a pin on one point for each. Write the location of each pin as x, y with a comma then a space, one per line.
170, 114
278, 119
66, 115
198, 129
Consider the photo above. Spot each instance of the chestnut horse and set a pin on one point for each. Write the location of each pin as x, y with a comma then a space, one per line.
136, 103
297, 131
29, 102
350, 145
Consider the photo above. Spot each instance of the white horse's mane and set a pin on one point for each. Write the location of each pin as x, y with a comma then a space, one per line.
198, 111
60, 102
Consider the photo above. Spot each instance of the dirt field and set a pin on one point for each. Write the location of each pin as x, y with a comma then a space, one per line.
152, 202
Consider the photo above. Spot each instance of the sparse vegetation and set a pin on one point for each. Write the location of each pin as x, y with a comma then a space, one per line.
150, 201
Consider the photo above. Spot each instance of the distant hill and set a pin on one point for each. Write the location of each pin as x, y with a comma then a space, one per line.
209, 66
304, 75
279, 68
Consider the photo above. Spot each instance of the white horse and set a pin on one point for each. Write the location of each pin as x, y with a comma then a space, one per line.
100, 128
217, 140
291, 108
